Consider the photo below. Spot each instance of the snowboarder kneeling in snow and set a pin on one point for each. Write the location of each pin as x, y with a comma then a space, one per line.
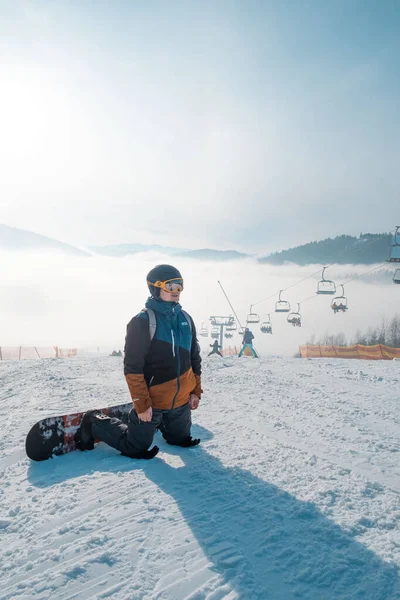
162, 367
247, 342
215, 348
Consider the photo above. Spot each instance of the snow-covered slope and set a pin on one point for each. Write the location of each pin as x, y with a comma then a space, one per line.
293, 493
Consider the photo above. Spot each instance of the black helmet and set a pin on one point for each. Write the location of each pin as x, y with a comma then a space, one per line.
161, 273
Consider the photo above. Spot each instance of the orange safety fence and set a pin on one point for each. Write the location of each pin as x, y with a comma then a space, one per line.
329, 351
376, 352
35, 352
389, 353
230, 351
347, 351
370, 352
247, 352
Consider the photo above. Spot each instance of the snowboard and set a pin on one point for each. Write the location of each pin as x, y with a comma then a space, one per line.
55, 435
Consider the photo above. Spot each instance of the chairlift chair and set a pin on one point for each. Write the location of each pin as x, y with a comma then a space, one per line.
203, 331
252, 317
294, 318
326, 286
282, 306
228, 335
242, 330
215, 333
266, 326
396, 276
339, 303
232, 326
394, 251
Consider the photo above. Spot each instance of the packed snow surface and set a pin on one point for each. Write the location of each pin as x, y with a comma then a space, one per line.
292, 494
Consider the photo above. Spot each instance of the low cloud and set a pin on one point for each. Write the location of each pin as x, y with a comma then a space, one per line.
87, 302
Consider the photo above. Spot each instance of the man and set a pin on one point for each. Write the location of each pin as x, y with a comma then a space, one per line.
247, 342
162, 367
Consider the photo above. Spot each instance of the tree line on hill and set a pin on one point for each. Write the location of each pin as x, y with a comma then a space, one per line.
387, 333
369, 248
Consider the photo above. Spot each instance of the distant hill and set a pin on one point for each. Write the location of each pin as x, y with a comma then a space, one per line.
203, 254
208, 254
12, 238
369, 248
126, 249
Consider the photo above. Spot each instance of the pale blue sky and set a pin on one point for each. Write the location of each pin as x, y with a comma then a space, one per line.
251, 125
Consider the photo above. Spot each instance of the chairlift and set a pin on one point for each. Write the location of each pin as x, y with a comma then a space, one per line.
215, 333
228, 335
252, 317
266, 326
231, 326
396, 276
213, 321
339, 303
394, 251
242, 330
282, 306
326, 286
294, 318
203, 331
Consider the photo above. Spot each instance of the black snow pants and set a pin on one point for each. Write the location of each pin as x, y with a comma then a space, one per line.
137, 436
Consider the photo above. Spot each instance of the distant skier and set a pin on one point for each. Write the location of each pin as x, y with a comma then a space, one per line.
215, 348
162, 366
247, 342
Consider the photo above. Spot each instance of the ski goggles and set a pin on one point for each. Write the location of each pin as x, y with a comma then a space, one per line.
171, 285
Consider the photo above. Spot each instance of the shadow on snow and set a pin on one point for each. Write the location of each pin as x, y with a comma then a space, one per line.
261, 540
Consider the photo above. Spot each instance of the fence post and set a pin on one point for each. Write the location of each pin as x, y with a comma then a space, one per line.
37, 352
1, 356
19, 357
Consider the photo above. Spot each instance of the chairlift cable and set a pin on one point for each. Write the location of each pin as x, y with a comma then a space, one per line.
362, 274
349, 281
374, 241
287, 288
346, 282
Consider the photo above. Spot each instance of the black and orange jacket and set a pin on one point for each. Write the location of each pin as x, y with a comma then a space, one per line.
164, 371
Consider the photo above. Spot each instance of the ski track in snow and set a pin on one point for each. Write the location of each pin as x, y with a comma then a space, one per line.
294, 492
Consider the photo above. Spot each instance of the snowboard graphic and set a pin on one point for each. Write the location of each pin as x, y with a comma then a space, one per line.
55, 435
